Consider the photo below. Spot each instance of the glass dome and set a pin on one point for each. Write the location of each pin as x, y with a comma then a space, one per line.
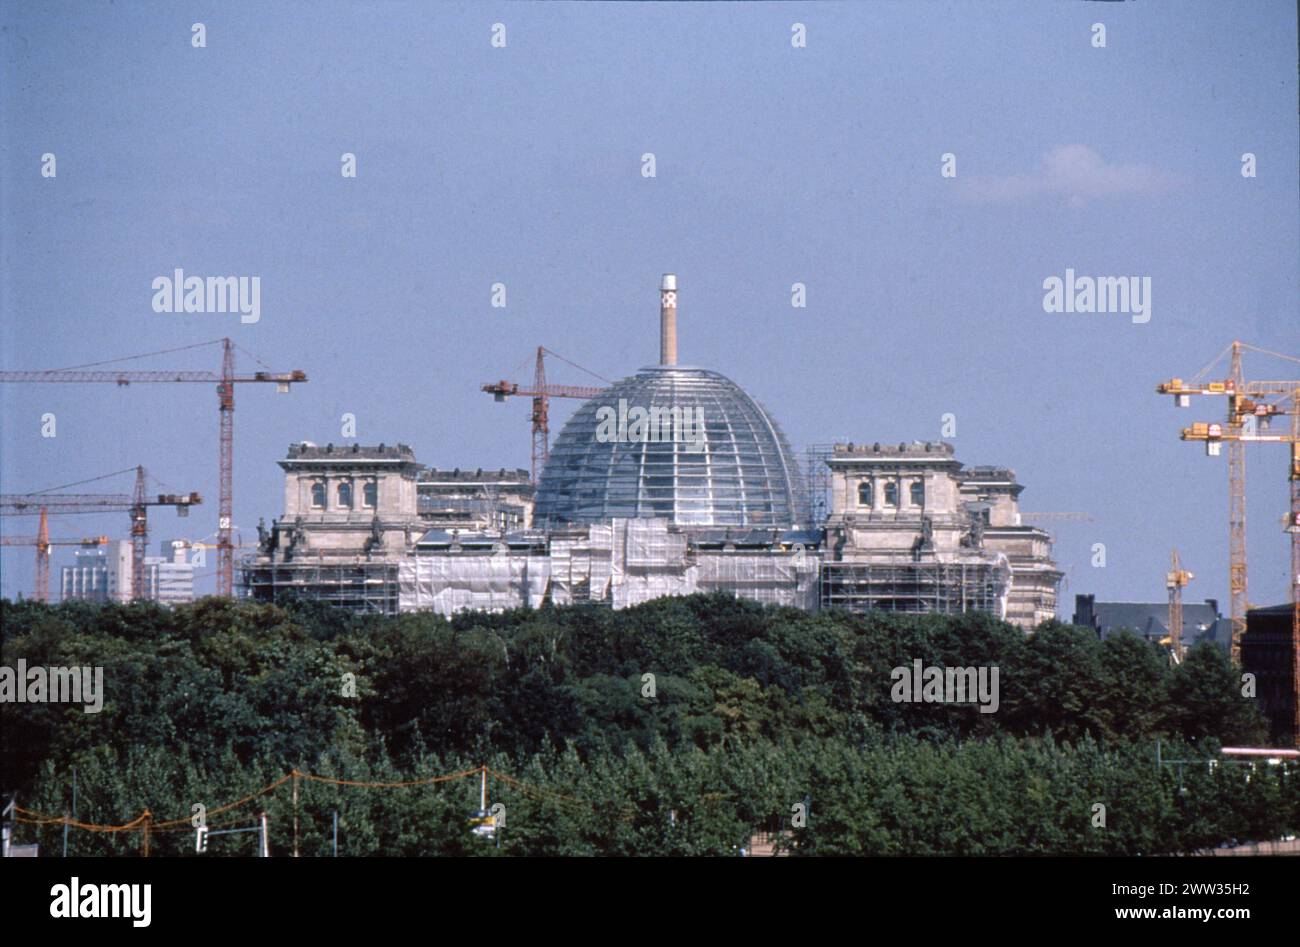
721, 460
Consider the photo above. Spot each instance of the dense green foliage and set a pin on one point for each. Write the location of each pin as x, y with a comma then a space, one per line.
755, 710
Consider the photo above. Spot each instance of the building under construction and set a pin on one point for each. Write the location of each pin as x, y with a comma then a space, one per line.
671, 481
350, 516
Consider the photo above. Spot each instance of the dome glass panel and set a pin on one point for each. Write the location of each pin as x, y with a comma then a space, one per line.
704, 454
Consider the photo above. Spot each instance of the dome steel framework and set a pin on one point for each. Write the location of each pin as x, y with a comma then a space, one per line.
739, 472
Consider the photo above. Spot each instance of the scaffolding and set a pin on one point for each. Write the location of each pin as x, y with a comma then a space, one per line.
816, 505
772, 578
903, 585
491, 582
618, 564
355, 584
650, 561
469, 513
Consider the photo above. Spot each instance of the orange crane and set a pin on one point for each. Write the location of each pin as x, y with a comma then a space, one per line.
541, 393
1176, 579
225, 381
1247, 411
1212, 435
42, 542
136, 503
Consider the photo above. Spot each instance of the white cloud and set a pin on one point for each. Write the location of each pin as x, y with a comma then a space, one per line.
1076, 173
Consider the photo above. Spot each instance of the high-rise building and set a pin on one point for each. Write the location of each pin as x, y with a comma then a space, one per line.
105, 575
87, 579
170, 578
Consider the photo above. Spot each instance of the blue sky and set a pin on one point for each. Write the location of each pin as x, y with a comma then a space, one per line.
774, 165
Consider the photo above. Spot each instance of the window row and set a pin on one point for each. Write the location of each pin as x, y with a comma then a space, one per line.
343, 495
867, 493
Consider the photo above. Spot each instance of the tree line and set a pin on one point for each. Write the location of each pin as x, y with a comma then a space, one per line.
680, 726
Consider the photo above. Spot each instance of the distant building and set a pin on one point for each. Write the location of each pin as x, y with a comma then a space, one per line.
170, 578
105, 575
1268, 652
1150, 620
99, 575
87, 579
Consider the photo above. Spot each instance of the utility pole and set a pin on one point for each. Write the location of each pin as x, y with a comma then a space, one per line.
73, 813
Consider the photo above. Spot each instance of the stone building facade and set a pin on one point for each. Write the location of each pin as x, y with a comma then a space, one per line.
350, 515
911, 530
908, 529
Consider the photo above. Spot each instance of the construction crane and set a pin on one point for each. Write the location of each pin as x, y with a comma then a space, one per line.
541, 393
1213, 435
136, 504
225, 381
43, 542
1176, 579
1247, 412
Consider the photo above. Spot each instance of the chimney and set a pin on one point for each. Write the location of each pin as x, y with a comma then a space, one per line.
668, 320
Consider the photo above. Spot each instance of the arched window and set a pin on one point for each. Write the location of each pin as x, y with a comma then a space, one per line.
370, 494
318, 495
918, 493
865, 492
345, 495
891, 493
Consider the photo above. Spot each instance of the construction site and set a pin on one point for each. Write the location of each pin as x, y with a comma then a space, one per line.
615, 517
612, 515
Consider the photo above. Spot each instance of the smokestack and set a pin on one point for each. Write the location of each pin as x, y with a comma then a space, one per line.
668, 320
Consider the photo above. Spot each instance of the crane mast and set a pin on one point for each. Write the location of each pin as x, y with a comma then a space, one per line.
225, 381
541, 393
1176, 579
136, 504
1247, 423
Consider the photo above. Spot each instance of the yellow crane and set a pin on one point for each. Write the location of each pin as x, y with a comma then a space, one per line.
1176, 579
1252, 405
1213, 435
